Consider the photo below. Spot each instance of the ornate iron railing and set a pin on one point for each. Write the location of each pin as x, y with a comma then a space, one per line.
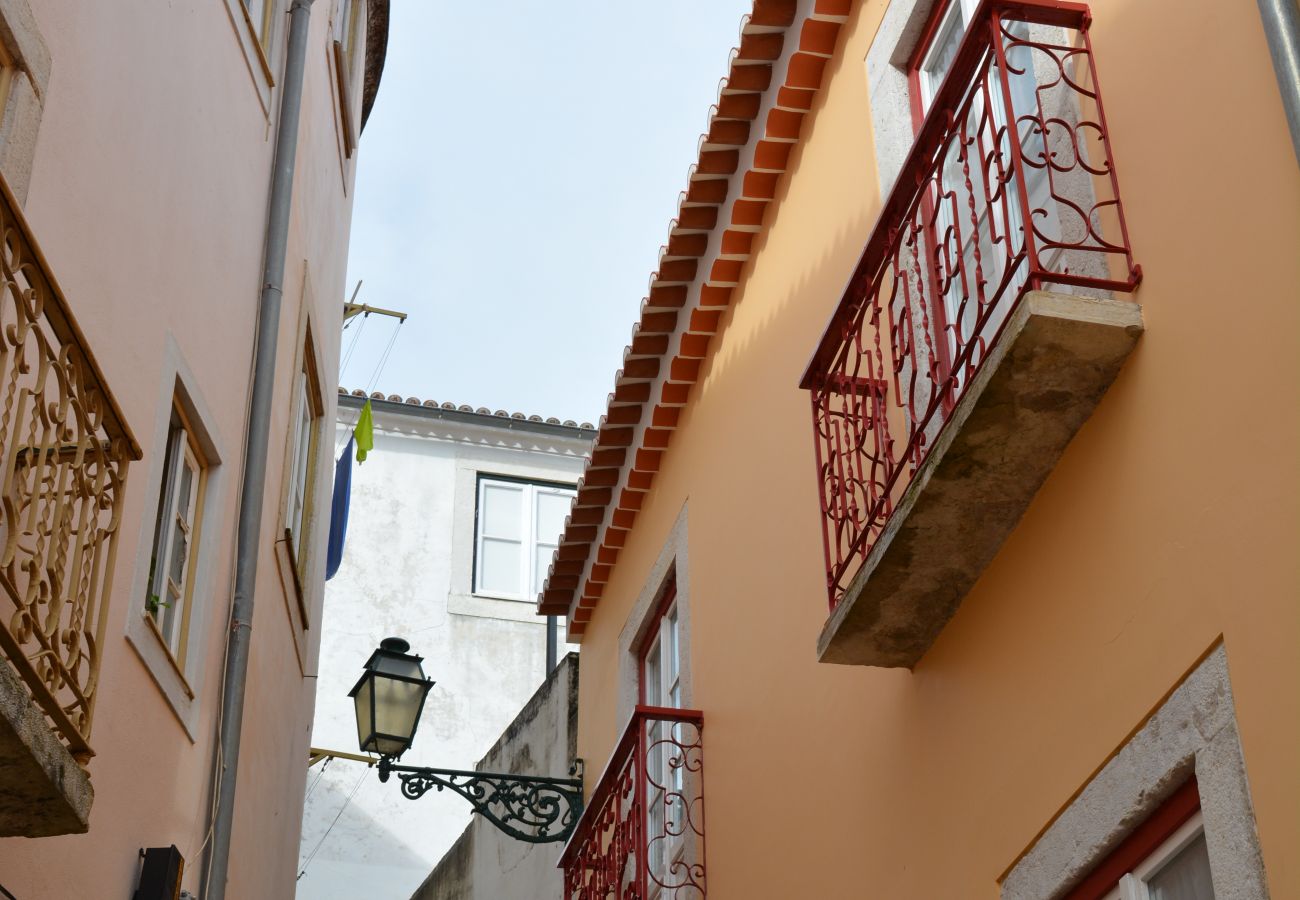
642, 835
1015, 137
64, 449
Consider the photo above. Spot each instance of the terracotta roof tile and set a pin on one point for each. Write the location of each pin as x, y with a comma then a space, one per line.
774, 73
481, 411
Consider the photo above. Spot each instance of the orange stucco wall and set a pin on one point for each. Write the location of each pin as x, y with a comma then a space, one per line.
149, 197
1169, 524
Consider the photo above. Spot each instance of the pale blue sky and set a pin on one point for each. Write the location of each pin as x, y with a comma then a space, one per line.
516, 180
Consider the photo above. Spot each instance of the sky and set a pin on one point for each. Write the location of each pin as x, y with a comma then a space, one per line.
515, 181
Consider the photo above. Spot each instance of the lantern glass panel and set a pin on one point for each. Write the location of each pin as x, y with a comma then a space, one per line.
363, 702
397, 709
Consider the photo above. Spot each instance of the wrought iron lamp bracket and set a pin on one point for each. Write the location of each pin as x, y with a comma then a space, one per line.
529, 808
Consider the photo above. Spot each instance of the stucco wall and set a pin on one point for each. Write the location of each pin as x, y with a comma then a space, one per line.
406, 571
485, 864
1168, 525
148, 194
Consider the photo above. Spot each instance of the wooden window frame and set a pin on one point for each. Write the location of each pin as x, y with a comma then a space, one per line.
298, 541
175, 641
351, 21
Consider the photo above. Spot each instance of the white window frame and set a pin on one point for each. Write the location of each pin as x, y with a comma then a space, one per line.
170, 612
529, 575
1134, 885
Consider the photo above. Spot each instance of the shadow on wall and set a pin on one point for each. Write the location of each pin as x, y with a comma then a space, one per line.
341, 839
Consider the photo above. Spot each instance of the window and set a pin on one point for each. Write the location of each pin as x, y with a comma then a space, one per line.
259, 16
518, 527
1165, 858
170, 587
1179, 869
992, 238
661, 661
302, 468
352, 19
349, 44
661, 685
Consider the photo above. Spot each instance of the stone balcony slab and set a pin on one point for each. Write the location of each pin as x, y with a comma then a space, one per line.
43, 791
1055, 360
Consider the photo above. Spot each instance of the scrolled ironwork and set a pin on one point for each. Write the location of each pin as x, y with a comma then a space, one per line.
529, 808
642, 835
64, 450
1010, 186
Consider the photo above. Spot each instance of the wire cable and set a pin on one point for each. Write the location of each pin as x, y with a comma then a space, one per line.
356, 787
319, 775
383, 360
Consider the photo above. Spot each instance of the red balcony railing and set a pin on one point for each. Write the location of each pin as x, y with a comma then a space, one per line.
1009, 187
642, 835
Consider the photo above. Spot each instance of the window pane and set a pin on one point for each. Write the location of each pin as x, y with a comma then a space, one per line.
551, 510
943, 49
1186, 877
501, 515
542, 554
499, 566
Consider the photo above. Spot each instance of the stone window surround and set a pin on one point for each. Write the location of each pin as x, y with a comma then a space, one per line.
1194, 730
178, 384
29, 61
671, 567
889, 91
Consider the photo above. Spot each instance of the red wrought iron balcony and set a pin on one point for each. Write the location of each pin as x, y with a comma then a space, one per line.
641, 836
980, 329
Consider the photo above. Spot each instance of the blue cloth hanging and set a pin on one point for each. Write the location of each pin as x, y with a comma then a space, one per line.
339, 511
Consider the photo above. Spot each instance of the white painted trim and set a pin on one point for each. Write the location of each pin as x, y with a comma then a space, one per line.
178, 383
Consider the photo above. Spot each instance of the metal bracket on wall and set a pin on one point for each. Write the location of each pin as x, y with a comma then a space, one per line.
530, 808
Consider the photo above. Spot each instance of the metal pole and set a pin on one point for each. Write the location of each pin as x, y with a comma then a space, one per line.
248, 537
1282, 31
552, 644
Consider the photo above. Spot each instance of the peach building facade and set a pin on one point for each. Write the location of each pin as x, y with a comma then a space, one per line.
988, 588
136, 148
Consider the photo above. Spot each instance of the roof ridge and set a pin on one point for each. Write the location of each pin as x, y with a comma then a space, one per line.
465, 408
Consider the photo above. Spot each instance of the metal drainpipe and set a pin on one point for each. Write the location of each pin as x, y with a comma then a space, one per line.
248, 536
552, 644
1282, 30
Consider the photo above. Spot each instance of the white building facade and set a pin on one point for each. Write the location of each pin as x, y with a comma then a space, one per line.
453, 520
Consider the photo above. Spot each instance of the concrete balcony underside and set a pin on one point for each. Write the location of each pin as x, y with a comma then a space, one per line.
43, 791
1055, 360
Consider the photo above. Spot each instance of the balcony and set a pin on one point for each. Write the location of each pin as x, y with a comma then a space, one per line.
642, 834
980, 329
64, 450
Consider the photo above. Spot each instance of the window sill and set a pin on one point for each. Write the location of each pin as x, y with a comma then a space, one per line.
147, 642
488, 607
152, 625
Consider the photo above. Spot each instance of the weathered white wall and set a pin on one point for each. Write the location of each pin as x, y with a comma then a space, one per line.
406, 572
484, 863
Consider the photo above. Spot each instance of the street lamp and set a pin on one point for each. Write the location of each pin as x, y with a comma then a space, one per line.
389, 697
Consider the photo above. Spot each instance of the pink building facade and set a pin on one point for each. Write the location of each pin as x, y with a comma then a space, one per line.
137, 143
